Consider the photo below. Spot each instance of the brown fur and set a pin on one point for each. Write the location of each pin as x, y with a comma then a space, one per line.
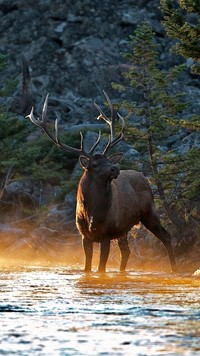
107, 208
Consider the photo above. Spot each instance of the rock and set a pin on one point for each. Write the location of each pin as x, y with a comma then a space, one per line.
8, 229
60, 219
30, 193
14, 188
70, 49
192, 140
131, 154
70, 200
197, 273
10, 235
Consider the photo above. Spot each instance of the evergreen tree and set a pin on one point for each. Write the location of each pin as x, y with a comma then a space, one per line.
21, 158
182, 22
11, 130
159, 110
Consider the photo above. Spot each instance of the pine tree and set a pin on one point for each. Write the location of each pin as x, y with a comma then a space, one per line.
159, 110
21, 158
182, 22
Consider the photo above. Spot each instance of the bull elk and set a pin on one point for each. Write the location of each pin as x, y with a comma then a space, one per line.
109, 201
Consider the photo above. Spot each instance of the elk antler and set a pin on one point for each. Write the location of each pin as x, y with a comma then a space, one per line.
43, 125
111, 122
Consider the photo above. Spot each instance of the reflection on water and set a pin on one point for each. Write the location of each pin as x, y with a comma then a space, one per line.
60, 311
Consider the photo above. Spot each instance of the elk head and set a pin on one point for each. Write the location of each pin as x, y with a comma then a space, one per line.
98, 164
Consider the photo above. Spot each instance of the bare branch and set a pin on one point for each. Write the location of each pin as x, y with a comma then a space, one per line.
6, 181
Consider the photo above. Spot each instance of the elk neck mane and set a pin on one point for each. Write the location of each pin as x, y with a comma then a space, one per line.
96, 197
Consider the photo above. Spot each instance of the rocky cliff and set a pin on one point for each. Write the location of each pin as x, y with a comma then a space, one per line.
73, 50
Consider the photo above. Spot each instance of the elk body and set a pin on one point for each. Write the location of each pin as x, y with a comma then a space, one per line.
110, 201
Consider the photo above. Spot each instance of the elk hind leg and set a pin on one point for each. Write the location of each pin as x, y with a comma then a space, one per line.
152, 223
125, 252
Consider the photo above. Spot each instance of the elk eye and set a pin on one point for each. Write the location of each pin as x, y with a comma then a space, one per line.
94, 164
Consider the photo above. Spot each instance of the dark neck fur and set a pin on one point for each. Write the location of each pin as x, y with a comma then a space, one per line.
97, 197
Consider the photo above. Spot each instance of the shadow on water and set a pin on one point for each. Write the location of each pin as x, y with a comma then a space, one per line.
57, 310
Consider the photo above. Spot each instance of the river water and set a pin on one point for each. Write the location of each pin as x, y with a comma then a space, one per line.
57, 310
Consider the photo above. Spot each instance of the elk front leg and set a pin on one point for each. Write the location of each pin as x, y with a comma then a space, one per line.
88, 249
125, 252
104, 253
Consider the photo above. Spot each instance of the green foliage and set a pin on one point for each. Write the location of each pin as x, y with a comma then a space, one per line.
182, 22
156, 104
36, 158
48, 162
12, 137
68, 186
193, 124
7, 87
3, 62
159, 110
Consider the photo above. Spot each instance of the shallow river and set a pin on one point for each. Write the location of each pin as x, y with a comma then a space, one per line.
60, 311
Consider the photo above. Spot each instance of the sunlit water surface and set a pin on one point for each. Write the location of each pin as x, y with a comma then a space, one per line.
61, 311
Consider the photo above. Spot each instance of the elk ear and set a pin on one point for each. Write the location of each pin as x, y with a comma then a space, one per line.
84, 162
116, 157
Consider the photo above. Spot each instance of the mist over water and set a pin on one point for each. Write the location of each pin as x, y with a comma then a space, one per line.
58, 310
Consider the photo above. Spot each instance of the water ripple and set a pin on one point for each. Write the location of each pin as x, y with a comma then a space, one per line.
60, 311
